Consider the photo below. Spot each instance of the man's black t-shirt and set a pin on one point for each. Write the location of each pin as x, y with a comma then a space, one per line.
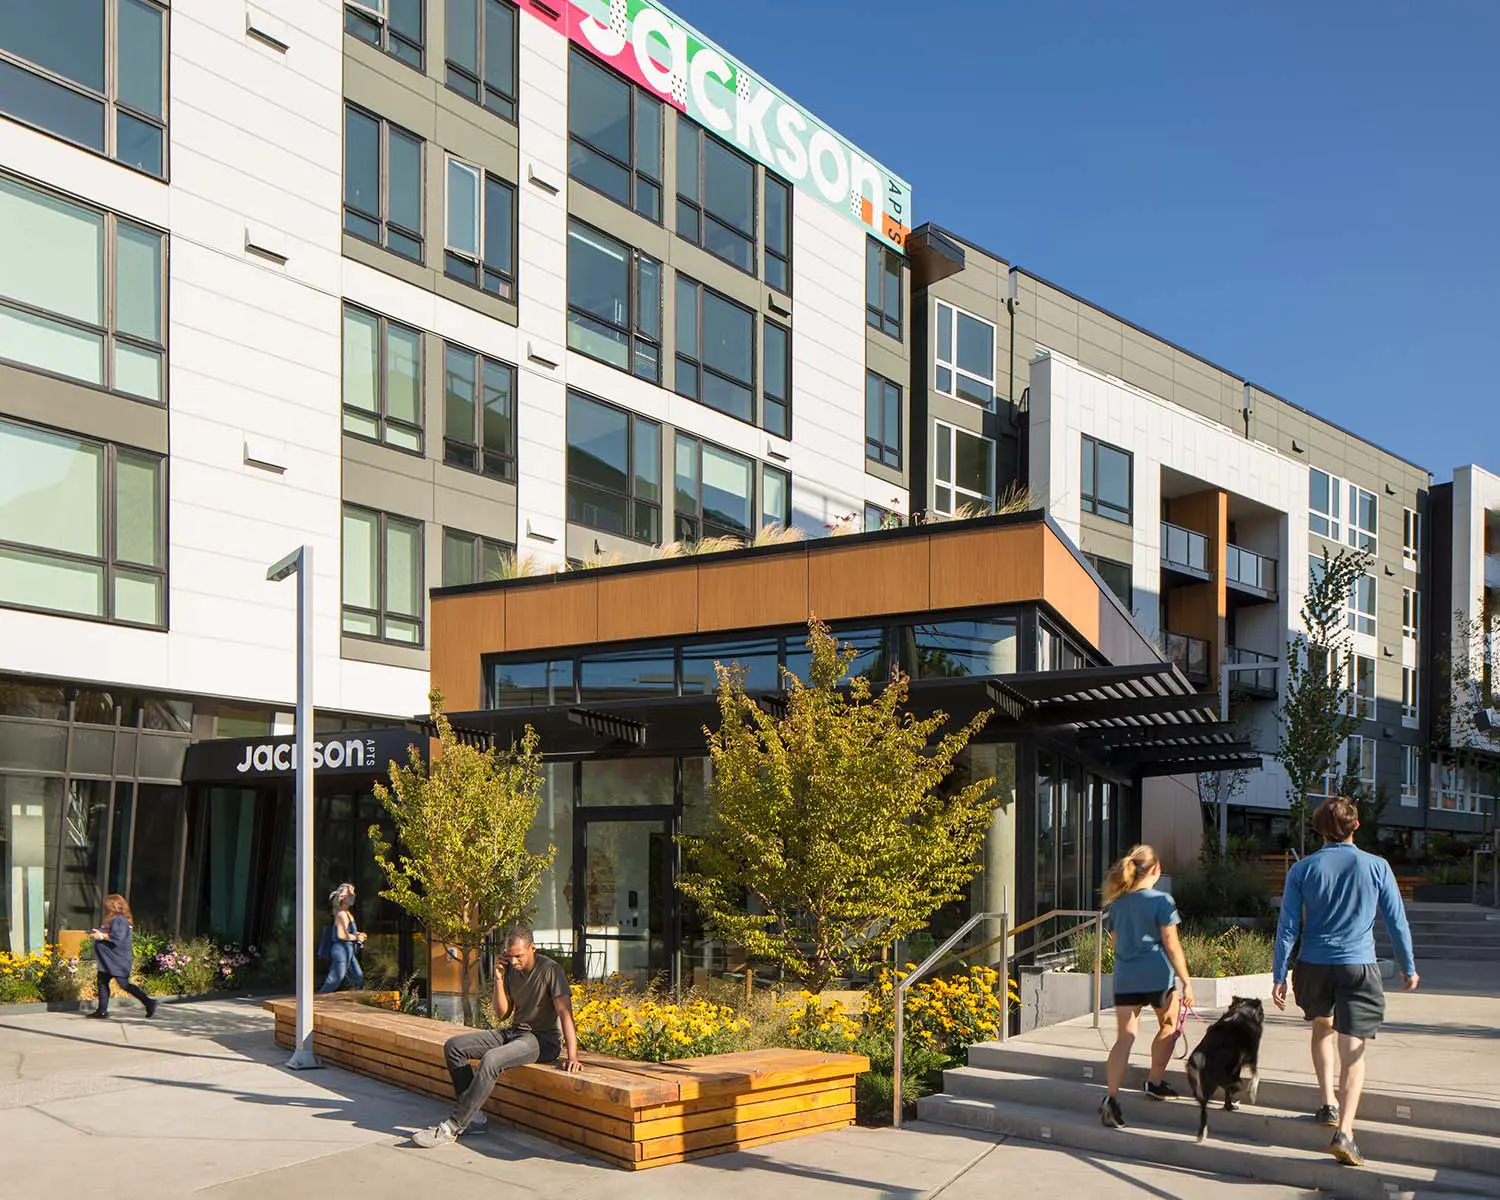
532, 994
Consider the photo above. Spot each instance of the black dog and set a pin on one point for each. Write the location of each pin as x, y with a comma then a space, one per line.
1227, 1058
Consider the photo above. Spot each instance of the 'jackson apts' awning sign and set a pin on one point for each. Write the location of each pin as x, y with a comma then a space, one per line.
238, 760
672, 60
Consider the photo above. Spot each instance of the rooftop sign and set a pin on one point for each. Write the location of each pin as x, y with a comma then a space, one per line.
672, 60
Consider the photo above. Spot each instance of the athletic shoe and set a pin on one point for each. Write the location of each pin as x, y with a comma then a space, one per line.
1110, 1114
440, 1134
1231, 1106
479, 1124
150, 1009
96, 1015
1160, 1091
1343, 1148
1327, 1115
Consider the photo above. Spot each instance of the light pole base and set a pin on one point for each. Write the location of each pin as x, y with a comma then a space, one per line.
303, 1060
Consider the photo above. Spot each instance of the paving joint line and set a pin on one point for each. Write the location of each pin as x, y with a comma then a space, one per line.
967, 1167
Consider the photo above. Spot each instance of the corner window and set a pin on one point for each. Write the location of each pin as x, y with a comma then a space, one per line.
614, 137
614, 470
614, 302
1411, 538
882, 420
382, 183
81, 527
965, 347
479, 414
778, 248
481, 53
715, 491
715, 196
776, 399
382, 380
481, 231
1362, 605
1409, 701
92, 72
1106, 487
715, 350
392, 26
81, 293
963, 468
382, 576
883, 298
1116, 576
1411, 613
960, 649
470, 558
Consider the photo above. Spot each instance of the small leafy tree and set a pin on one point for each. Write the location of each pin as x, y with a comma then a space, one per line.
1316, 716
459, 862
833, 819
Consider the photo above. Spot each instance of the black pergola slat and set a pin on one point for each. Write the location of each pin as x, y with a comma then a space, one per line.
1199, 766
1046, 685
1076, 713
1183, 754
610, 725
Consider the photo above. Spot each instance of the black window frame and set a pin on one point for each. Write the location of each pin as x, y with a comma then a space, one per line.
381, 415
697, 204
637, 177
362, 20
694, 362
880, 516
636, 505
474, 456
782, 519
475, 84
1105, 567
701, 527
769, 255
478, 271
772, 402
478, 543
1088, 498
382, 612
108, 518
636, 337
382, 220
878, 256
878, 446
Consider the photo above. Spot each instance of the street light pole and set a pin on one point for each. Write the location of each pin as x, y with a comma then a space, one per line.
299, 563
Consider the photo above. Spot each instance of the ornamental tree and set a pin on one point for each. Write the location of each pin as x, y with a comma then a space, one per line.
459, 862
832, 820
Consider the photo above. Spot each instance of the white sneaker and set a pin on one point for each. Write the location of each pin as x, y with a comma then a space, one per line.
440, 1134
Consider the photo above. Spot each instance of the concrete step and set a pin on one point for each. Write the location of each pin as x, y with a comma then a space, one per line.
1425, 1105
1223, 1154
1259, 1123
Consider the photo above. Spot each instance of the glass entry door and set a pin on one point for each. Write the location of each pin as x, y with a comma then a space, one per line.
622, 893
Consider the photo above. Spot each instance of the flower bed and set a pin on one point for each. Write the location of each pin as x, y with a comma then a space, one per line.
163, 968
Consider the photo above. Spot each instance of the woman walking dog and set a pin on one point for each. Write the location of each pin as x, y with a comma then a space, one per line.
1142, 924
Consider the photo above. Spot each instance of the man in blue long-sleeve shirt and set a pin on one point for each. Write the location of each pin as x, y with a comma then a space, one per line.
1330, 901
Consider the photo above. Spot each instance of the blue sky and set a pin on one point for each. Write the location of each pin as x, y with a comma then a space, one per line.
1306, 192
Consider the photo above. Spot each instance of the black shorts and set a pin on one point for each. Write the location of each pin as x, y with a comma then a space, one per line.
1156, 1000
1351, 993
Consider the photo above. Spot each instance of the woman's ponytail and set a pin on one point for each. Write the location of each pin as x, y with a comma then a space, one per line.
1128, 872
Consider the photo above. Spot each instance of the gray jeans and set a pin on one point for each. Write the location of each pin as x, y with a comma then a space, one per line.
497, 1050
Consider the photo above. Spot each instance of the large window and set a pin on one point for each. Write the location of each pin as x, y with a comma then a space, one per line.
394, 26
778, 248
1116, 576
81, 527
756, 659
479, 413
776, 391
481, 233
472, 558
963, 469
1411, 538
382, 380
1106, 487
90, 71
1323, 505
715, 350
715, 491
81, 293
1359, 683
883, 292
382, 183
882, 420
965, 348
622, 674
614, 142
1362, 605
533, 684
1410, 704
383, 589
715, 196
1364, 519
614, 470
481, 53
1411, 613
1411, 776
614, 302
952, 649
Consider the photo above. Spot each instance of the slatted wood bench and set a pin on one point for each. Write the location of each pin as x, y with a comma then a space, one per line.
632, 1114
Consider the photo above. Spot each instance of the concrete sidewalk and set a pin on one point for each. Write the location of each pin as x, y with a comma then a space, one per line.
198, 1102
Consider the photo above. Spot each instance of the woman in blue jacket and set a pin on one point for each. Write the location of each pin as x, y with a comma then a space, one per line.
114, 955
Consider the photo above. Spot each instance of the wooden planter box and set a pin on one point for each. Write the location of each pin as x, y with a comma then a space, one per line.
632, 1114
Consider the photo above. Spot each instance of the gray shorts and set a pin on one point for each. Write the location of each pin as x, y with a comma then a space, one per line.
1351, 993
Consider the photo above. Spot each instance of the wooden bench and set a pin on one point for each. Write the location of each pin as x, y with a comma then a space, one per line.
632, 1114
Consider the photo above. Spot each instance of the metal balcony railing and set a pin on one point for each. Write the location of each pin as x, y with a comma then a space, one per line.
1249, 569
1189, 655
1184, 548
1258, 682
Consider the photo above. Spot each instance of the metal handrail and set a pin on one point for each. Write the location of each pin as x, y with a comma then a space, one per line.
1096, 918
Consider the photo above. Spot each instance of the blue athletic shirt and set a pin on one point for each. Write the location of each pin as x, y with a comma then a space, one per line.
1137, 919
1330, 899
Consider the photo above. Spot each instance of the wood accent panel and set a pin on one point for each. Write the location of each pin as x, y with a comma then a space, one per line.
1070, 589
464, 629
750, 592
986, 566
655, 604
560, 614
1201, 611
870, 580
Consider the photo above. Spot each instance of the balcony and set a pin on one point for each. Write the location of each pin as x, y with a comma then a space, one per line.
1189, 655
1261, 684
1492, 571
1185, 552
1249, 573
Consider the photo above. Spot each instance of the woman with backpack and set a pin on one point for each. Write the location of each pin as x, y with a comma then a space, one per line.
344, 941
115, 955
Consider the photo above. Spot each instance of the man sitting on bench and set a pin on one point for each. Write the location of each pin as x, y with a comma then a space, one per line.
535, 989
